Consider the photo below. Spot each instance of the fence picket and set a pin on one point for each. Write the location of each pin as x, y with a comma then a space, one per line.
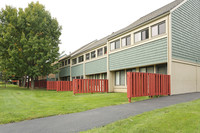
147, 84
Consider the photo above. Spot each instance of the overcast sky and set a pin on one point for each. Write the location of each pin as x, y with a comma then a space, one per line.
86, 20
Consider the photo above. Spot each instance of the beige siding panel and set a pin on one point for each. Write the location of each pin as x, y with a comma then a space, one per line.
198, 79
183, 78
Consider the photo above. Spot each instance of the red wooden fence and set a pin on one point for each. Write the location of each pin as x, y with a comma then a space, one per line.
38, 84
64, 86
90, 85
147, 84
41, 84
59, 85
52, 85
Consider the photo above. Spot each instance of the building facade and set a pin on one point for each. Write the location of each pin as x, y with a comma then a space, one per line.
166, 41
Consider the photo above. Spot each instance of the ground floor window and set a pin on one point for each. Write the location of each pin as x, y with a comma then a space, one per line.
68, 78
162, 69
143, 70
104, 76
120, 78
149, 69
97, 76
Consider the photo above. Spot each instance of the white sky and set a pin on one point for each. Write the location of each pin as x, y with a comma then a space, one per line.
86, 20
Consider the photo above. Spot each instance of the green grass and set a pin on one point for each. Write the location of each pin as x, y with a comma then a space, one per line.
181, 118
17, 104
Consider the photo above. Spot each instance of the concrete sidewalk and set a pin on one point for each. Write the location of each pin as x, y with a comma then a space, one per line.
93, 118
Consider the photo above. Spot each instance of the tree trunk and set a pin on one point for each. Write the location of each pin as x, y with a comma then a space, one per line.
28, 82
32, 83
24, 81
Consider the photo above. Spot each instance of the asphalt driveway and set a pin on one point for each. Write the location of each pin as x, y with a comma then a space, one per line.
93, 118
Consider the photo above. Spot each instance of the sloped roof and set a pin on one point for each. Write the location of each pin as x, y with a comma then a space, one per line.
90, 46
165, 9
148, 17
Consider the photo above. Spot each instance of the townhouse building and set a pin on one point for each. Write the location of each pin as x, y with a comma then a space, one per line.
166, 41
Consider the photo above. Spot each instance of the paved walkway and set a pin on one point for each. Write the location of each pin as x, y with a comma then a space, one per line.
93, 118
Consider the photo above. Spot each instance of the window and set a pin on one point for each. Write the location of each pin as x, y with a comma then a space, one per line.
80, 59
126, 41
145, 34
112, 46
131, 70
78, 77
87, 57
65, 62
162, 28
142, 35
158, 29
68, 78
150, 69
104, 76
143, 70
68, 61
162, 69
73, 78
93, 54
105, 50
138, 37
74, 61
120, 78
100, 52
115, 45
81, 76
97, 76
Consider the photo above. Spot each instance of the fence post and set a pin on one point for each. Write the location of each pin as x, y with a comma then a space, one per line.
73, 86
129, 88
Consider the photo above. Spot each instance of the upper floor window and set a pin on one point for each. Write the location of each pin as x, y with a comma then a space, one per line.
100, 52
105, 50
80, 59
68, 61
74, 61
93, 54
115, 45
158, 29
65, 62
126, 41
142, 35
87, 56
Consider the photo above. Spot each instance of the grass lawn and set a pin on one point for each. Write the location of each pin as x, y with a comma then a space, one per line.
181, 118
17, 104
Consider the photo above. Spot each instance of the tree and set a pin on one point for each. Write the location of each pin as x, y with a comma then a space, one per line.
32, 40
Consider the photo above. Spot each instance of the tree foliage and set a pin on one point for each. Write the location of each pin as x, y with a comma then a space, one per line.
29, 41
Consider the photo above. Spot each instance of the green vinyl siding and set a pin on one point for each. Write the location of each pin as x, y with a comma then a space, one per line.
64, 72
146, 54
56, 75
77, 70
186, 32
97, 66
